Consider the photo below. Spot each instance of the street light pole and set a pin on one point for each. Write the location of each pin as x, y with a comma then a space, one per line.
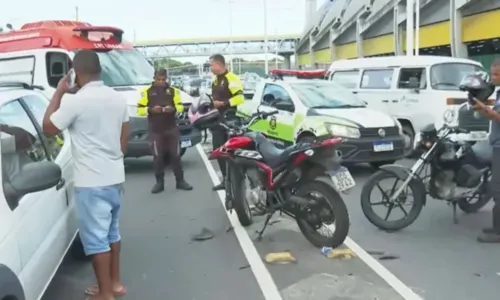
231, 53
266, 42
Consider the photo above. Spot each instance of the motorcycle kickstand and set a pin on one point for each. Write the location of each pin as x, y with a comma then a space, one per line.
266, 222
454, 207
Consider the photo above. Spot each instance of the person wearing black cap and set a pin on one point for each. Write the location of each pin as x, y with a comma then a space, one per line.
160, 102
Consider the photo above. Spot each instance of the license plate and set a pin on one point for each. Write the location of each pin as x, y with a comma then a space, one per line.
383, 146
342, 179
186, 144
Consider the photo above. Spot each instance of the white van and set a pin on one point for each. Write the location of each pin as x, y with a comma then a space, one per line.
40, 54
416, 90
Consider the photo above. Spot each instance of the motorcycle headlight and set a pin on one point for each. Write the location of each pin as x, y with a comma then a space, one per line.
343, 131
449, 116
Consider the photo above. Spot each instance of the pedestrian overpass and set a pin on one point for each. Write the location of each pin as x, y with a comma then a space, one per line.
283, 45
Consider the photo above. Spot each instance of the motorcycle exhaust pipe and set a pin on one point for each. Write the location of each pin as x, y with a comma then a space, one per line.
301, 200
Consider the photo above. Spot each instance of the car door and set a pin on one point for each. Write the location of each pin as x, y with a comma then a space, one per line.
36, 213
375, 89
415, 98
278, 127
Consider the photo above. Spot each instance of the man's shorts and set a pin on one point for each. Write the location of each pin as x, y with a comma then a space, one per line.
98, 211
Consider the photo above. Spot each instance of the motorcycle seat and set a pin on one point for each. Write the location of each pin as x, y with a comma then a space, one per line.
272, 155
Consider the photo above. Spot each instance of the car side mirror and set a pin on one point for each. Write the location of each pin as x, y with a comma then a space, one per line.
284, 105
33, 177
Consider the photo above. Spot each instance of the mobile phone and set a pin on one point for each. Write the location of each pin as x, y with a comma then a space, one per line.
72, 79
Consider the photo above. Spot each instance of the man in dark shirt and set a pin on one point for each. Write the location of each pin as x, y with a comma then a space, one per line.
227, 93
492, 234
160, 102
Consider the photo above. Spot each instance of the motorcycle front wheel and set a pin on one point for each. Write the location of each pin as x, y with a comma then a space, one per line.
238, 187
326, 224
367, 205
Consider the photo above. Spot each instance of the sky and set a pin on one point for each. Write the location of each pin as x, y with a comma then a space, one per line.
165, 19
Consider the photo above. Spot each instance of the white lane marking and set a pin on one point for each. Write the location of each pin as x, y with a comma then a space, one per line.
260, 271
405, 291
262, 275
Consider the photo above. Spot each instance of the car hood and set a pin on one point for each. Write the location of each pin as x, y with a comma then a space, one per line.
133, 94
363, 117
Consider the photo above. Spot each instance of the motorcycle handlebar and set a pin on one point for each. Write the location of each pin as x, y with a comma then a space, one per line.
240, 128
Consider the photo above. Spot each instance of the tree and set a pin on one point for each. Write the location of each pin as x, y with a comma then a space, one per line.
169, 63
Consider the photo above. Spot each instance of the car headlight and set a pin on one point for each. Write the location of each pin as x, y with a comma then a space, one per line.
343, 131
449, 116
132, 111
400, 127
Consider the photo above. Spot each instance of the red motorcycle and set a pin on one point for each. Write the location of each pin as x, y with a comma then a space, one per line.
303, 181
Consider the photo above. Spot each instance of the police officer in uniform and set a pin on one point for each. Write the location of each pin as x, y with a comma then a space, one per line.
492, 234
160, 102
227, 93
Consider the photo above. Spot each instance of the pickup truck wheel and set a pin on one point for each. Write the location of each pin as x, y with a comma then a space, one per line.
409, 136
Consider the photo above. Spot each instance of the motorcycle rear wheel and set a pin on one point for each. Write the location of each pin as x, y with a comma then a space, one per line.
334, 202
367, 205
239, 196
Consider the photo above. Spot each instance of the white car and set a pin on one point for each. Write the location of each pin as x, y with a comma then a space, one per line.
38, 224
312, 109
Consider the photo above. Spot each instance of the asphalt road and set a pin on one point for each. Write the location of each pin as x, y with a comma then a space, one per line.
437, 259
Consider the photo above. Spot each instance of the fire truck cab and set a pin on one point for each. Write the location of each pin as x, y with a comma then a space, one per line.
40, 54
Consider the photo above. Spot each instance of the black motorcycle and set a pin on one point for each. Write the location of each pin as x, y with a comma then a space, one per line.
446, 170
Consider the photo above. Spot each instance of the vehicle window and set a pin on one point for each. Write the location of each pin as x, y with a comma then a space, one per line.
124, 68
57, 65
38, 105
406, 74
325, 94
348, 79
273, 93
377, 79
21, 144
447, 76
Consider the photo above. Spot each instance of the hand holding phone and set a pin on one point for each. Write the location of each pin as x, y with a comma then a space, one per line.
67, 83
168, 109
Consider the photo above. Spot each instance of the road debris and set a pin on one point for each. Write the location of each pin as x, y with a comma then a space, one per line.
388, 257
344, 253
284, 257
204, 235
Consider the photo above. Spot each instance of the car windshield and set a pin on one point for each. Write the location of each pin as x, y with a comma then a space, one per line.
196, 82
447, 76
125, 67
325, 94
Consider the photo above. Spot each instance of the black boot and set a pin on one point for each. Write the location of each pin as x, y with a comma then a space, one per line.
159, 185
219, 187
183, 185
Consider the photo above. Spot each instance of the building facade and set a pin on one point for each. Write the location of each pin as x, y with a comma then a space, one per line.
346, 29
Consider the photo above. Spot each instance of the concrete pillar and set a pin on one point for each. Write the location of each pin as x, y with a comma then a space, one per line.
458, 48
333, 56
399, 18
310, 10
287, 61
359, 38
311, 50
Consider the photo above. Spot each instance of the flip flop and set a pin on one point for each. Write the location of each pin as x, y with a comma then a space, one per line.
94, 289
